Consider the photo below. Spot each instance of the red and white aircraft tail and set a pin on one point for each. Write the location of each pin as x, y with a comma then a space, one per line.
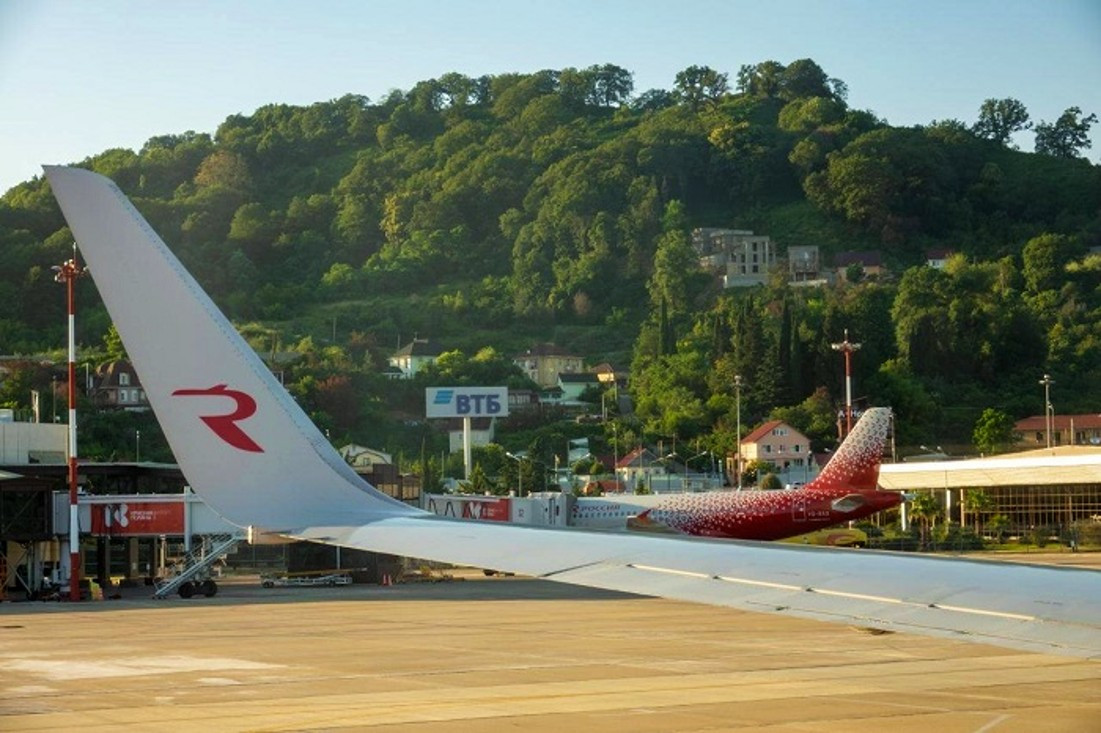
252, 454
855, 464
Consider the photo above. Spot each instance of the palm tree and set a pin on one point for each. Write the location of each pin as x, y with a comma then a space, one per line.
977, 502
998, 525
925, 508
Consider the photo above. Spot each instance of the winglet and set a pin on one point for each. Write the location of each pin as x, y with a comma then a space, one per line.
243, 444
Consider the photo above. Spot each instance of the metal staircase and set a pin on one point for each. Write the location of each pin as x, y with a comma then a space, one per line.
192, 573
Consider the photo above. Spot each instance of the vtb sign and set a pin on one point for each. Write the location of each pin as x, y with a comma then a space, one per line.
466, 402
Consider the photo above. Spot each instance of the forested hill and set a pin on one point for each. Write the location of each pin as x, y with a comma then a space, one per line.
507, 209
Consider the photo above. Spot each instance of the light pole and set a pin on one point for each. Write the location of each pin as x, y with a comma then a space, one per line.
68, 272
738, 409
847, 347
1049, 411
519, 474
137, 446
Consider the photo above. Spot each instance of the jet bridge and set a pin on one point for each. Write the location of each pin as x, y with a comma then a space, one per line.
154, 528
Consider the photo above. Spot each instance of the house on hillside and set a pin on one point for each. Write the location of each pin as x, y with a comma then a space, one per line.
359, 456
482, 432
377, 468
783, 446
1065, 430
804, 264
412, 357
542, 363
574, 385
609, 375
937, 258
638, 468
869, 261
743, 257
116, 384
522, 399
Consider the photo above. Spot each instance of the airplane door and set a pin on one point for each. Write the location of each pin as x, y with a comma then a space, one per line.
799, 508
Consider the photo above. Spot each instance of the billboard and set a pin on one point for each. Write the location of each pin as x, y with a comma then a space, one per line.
492, 509
466, 401
138, 518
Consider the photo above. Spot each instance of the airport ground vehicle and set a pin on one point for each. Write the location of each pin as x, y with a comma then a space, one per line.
288, 581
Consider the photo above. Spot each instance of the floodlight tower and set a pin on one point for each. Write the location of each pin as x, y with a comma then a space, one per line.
847, 348
68, 272
1049, 411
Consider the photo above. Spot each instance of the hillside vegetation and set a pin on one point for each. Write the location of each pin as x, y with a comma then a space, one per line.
491, 213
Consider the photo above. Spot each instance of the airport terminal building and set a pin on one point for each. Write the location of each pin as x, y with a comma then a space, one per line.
1049, 487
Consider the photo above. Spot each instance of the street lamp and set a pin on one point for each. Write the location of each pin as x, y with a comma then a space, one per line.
519, 474
1049, 411
847, 348
137, 446
738, 408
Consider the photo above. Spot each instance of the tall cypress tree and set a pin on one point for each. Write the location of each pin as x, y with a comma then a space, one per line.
783, 356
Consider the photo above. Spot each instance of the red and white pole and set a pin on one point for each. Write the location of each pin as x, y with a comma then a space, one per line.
847, 347
67, 273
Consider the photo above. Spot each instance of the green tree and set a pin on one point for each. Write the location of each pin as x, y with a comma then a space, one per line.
770, 482
1000, 118
1067, 136
804, 78
1044, 258
224, 168
697, 85
112, 344
998, 526
479, 483
761, 80
993, 431
675, 262
612, 85
925, 508
977, 503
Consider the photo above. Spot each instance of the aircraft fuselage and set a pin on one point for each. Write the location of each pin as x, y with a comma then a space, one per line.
749, 515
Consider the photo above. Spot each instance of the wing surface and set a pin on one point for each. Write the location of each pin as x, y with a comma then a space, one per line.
1049, 609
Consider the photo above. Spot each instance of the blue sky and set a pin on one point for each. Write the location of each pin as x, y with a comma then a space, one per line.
77, 78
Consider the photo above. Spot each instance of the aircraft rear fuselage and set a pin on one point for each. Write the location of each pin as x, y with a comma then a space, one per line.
762, 515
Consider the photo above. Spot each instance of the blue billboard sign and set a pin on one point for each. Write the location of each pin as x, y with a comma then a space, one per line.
466, 401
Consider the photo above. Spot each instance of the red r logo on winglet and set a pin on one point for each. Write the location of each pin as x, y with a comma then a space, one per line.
225, 426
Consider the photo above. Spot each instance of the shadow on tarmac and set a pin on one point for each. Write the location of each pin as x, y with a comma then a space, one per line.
247, 590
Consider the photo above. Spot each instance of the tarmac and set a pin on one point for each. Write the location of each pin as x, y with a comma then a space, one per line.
504, 654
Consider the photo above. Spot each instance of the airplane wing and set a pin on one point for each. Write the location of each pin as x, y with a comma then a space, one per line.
1048, 609
253, 456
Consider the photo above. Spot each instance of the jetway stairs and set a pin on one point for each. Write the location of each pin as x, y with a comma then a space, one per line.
193, 572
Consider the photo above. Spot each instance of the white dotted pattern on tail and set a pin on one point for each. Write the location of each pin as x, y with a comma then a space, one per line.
857, 460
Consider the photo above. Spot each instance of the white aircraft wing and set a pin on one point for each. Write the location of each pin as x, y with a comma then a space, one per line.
1050, 609
254, 457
